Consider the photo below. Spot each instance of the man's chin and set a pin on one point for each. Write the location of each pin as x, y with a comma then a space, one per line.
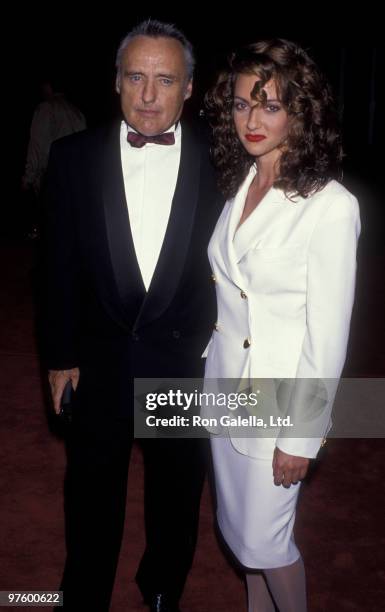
146, 127
150, 128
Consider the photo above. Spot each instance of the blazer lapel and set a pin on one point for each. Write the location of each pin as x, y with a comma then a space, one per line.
259, 224
235, 243
230, 228
176, 242
125, 266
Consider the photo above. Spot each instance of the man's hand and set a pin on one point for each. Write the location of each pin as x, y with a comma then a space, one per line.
288, 469
57, 381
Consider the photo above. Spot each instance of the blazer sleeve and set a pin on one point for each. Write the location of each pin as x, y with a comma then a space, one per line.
331, 272
58, 312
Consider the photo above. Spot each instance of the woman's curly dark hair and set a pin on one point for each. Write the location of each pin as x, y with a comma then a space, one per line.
312, 153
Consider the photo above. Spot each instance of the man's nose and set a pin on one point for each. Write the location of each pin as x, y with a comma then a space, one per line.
149, 92
254, 121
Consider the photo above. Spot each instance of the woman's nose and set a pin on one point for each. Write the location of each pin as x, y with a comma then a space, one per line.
254, 120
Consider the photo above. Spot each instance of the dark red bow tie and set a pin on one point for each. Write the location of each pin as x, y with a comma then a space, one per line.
138, 140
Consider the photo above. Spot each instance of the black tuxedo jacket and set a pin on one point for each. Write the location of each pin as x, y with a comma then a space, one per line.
96, 313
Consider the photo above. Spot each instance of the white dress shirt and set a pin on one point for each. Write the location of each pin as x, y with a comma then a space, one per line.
150, 174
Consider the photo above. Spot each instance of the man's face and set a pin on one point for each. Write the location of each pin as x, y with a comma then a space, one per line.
153, 84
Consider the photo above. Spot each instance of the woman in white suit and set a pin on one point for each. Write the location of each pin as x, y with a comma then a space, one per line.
283, 256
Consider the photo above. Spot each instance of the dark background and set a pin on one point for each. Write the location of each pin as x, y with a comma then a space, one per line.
80, 48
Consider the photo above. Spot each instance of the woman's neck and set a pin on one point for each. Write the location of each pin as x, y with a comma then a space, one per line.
266, 171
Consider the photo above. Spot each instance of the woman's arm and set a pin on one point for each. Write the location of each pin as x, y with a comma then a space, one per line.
331, 271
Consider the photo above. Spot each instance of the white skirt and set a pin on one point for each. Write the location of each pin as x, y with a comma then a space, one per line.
255, 516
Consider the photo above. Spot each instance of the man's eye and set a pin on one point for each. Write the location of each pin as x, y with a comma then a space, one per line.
166, 81
134, 77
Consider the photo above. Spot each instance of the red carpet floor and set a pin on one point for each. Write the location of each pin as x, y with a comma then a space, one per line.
340, 524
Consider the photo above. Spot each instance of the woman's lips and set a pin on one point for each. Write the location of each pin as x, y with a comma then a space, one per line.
255, 137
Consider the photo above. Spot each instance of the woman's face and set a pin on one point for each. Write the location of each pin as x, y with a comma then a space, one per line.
261, 129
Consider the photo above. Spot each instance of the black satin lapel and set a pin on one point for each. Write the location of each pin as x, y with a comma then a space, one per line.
123, 257
178, 234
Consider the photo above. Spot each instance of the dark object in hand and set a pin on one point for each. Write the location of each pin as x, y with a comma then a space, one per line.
66, 404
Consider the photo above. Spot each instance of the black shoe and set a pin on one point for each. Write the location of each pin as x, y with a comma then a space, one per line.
162, 603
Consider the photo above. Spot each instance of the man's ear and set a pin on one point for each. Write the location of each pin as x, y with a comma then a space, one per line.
189, 89
117, 83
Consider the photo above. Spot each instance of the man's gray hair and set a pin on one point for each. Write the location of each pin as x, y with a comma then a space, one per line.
158, 29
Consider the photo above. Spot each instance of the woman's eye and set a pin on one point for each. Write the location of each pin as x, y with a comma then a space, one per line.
239, 106
273, 108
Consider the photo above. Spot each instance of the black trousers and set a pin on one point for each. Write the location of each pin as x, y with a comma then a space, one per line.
95, 499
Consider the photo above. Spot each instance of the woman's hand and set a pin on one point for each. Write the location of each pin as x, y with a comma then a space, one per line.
288, 469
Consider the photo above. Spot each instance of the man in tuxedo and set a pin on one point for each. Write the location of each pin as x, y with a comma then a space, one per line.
130, 208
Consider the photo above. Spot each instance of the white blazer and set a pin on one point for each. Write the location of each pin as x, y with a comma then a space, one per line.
285, 287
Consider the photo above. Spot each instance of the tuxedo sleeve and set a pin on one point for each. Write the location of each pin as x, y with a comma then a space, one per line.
331, 272
58, 313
